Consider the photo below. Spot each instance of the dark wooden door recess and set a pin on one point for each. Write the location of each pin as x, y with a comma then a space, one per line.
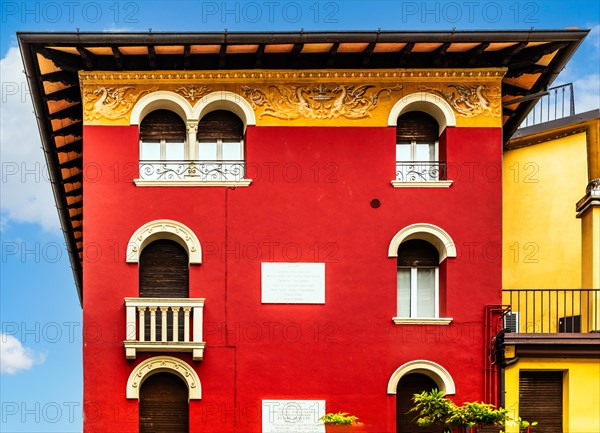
164, 405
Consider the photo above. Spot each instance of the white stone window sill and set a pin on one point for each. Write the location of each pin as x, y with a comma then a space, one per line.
192, 182
422, 321
438, 184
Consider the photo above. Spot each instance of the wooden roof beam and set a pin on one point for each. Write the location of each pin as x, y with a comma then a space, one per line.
367, 53
70, 94
506, 54
72, 129
65, 61
260, 55
404, 53
151, 57
509, 89
74, 192
73, 112
77, 217
118, 57
75, 205
89, 59
332, 53
71, 163
296, 51
439, 55
532, 55
64, 77
473, 54
533, 69
223, 56
75, 146
186, 56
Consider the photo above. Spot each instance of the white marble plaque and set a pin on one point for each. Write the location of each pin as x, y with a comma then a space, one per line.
293, 283
293, 416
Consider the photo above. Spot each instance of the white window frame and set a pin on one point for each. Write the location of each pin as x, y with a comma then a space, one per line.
219, 143
163, 150
414, 292
413, 151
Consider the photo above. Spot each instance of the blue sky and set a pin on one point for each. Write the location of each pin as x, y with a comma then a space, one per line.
41, 372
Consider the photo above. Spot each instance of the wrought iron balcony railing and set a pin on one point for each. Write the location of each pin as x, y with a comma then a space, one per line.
547, 311
164, 325
420, 171
558, 103
205, 171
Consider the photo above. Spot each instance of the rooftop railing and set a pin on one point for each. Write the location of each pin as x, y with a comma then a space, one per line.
552, 310
558, 103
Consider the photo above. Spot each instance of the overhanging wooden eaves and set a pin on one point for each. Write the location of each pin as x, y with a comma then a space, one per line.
53, 60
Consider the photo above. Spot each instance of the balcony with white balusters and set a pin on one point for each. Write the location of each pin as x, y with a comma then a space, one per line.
164, 325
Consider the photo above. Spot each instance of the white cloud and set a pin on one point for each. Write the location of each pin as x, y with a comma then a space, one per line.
587, 93
14, 357
26, 194
593, 37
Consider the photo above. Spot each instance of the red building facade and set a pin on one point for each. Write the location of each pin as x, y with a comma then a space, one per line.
264, 244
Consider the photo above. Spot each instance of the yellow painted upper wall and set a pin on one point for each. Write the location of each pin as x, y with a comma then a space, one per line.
303, 98
541, 245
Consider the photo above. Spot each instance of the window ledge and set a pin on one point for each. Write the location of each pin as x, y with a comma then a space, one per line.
438, 184
193, 182
422, 321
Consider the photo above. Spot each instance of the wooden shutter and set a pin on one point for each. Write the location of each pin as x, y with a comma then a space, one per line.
164, 273
220, 125
164, 270
416, 126
541, 399
164, 405
408, 386
162, 125
417, 253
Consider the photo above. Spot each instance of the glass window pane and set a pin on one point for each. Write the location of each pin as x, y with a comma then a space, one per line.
232, 151
403, 292
426, 292
403, 152
425, 152
150, 151
207, 151
175, 151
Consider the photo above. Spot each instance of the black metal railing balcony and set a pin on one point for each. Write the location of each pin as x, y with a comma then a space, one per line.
547, 311
558, 103
199, 170
420, 171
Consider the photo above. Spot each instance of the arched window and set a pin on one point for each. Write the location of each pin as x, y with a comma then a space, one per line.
221, 146
418, 280
164, 270
409, 385
417, 148
162, 137
181, 145
164, 273
163, 404
220, 137
421, 251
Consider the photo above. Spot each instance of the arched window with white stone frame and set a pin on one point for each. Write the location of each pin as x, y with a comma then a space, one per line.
421, 251
420, 120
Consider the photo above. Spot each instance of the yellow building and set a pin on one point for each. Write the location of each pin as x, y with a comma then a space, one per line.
551, 275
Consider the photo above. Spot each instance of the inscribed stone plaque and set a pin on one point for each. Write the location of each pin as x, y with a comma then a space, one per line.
293, 283
293, 416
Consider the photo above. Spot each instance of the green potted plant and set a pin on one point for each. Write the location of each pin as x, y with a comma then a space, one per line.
433, 408
341, 422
